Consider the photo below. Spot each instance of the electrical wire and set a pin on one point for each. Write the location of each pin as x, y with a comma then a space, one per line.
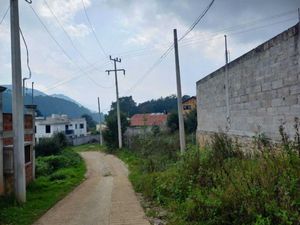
167, 52
139, 52
60, 47
72, 78
197, 21
27, 54
3, 17
67, 34
93, 31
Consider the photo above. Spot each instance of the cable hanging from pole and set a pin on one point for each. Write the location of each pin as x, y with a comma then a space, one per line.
2, 19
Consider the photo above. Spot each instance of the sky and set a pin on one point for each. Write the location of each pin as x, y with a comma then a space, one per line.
70, 41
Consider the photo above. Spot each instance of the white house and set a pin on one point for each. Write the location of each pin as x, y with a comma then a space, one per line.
46, 127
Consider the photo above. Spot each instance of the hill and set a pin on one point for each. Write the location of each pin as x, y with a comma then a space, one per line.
48, 105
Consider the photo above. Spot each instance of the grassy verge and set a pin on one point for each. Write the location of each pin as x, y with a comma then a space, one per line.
57, 176
217, 185
89, 147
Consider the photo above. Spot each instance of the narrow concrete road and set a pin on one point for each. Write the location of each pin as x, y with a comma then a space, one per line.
106, 197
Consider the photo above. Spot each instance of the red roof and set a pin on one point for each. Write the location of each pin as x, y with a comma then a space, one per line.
148, 119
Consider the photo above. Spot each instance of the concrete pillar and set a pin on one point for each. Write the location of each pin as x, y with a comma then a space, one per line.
31, 110
2, 89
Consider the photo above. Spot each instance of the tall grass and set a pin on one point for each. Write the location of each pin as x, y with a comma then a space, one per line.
219, 184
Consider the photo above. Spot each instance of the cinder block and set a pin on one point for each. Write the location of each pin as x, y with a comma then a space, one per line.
277, 84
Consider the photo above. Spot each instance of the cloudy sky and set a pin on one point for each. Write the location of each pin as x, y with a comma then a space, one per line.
69, 47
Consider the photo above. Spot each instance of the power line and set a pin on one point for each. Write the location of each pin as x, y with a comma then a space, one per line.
67, 34
197, 21
52, 37
93, 31
139, 52
61, 48
3, 17
165, 54
187, 43
60, 83
237, 32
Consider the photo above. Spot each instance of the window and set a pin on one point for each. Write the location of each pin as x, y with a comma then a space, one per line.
187, 107
81, 126
48, 129
76, 126
67, 127
27, 154
35, 129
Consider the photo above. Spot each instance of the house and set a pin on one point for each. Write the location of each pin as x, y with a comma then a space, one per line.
140, 123
7, 148
189, 104
72, 128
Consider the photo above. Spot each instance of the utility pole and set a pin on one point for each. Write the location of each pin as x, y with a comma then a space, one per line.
32, 92
299, 19
179, 96
17, 105
100, 131
227, 87
117, 95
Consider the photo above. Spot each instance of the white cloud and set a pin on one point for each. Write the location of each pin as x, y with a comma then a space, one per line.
66, 11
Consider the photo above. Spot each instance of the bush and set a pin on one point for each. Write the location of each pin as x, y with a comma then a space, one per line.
61, 139
218, 185
47, 146
49, 164
110, 135
51, 146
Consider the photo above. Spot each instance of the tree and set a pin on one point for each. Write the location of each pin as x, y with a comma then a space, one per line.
191, 121
110, 135
172, 122
91, 124
127, 106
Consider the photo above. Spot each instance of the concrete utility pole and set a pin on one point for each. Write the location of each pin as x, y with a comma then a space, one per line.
32, 92
227, 87
17, 105
100, 131
117, 94
179, 96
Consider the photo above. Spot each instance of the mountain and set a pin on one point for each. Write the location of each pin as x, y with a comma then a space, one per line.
27, 90
61, 96
48, 105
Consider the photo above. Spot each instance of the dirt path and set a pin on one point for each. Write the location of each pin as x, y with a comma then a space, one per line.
106, 197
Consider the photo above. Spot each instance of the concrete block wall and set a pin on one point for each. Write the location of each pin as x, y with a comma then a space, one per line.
264, 91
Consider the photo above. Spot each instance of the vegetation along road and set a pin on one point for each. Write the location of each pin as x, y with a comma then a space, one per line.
106, 197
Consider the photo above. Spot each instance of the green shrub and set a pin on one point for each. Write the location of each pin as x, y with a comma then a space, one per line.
219, 185
46, 147
61, 139
49, 164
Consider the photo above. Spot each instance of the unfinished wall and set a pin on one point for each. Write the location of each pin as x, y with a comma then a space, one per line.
264, 91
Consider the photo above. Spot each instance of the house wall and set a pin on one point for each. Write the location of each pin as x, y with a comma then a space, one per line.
264, 91
79, 132
7, 137
60, 127
192, 102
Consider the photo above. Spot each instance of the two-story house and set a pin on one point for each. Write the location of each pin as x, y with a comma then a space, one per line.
46, 127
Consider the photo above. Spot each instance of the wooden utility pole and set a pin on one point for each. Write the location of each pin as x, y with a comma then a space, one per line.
117, 96
100, 131
17, 105
179, 96
227, 87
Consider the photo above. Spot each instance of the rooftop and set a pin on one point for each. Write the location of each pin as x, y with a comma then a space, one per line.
150, 119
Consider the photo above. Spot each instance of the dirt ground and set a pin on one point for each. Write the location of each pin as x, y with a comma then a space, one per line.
106, 197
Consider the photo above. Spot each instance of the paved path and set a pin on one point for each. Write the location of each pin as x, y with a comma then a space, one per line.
106, 197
